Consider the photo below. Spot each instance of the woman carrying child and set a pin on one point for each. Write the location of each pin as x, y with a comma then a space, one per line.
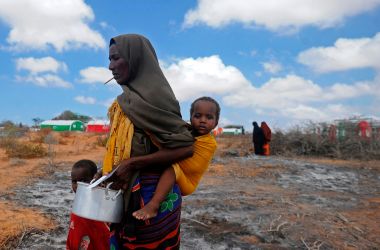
144, 118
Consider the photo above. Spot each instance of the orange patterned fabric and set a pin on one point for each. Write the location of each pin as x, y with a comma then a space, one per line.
266, 150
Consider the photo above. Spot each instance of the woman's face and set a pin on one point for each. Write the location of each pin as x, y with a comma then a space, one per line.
118, 65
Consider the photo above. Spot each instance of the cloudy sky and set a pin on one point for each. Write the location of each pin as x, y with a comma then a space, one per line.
285, 62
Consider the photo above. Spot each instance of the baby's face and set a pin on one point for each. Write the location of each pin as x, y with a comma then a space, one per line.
203, 119
79, 174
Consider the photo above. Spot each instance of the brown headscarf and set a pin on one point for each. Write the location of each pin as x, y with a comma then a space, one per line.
147, 99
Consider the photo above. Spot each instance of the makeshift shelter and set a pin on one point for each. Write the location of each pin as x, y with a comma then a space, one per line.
332, 132
233, 130
341, 130
365, 129
98, 126
63, 125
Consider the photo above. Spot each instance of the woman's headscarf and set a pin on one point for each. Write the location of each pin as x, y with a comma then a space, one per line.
147, 98
258, 136
255, 127
266, 130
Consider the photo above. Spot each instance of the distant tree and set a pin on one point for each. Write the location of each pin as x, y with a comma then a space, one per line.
37, 121
69, 115
7, 124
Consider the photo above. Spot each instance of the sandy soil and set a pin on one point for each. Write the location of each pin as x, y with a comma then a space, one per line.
243, 202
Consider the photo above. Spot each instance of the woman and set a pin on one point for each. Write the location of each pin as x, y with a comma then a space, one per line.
267, 137
258, 139
145, 117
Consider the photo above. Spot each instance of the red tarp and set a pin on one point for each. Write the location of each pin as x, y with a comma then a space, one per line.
364, 129
98, 128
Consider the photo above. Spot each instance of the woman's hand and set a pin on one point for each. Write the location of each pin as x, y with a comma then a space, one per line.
123, 174
98, 175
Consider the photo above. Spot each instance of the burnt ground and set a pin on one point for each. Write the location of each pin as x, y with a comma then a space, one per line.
275, 203
249, 202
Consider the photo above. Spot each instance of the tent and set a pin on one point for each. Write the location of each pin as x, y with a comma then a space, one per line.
63, 125
98, 126
233, 130
365, 129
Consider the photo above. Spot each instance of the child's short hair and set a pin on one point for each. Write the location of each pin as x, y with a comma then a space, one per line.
208, 99
88, 165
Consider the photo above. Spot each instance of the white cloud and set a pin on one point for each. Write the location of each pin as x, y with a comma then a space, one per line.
277, 93
301, 99
85, 100
303, 112
60, 24
223, 121
107, 26
272, 67
291, 96
326, 112
38, 72
107, 103
39, 65
192, 78
345, 91
104, 25
95, 75
346, 54
293, 91
276, 15
45, 80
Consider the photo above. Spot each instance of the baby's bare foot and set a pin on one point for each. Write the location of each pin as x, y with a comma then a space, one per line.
148, 211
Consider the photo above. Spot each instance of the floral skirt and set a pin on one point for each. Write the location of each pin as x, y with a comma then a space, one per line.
160, 232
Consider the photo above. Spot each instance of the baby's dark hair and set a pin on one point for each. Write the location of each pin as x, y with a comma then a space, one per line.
88, 165
207, 99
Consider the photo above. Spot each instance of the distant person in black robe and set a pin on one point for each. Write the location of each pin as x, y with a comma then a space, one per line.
258, 139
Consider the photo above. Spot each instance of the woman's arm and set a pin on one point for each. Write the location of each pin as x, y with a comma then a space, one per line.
162, 157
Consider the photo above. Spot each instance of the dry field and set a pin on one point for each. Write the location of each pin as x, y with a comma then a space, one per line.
243, 202
17, 221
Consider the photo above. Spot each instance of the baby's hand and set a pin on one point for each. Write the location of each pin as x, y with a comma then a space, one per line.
98, 175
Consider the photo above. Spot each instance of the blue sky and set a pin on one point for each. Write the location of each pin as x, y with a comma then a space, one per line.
285, 62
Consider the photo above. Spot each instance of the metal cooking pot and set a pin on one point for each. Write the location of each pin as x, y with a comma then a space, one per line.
98, 203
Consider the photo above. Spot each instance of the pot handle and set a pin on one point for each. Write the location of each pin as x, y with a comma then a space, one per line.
94, 183
107, 193
117, 194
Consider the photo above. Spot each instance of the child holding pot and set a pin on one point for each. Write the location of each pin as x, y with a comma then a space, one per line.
85, 233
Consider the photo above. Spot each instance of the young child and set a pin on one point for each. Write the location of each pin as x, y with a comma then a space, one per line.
85, 233
204, 116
